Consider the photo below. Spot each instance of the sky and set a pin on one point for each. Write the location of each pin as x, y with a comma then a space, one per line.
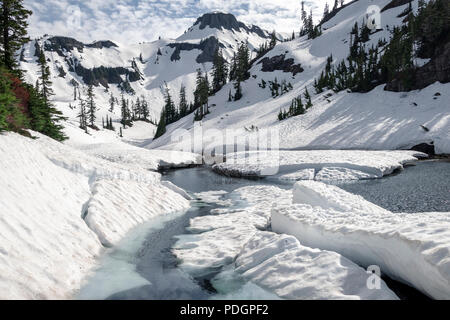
135, 21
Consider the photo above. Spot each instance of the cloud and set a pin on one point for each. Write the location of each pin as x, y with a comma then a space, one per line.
133, 21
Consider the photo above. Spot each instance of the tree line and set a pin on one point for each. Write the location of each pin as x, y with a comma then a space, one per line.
222, 73
24, 106
367, 67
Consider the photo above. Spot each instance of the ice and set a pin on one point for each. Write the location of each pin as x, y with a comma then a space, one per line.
59, 205
326, 165
219, 238
306, 174
280, 264
204, 253
412, 248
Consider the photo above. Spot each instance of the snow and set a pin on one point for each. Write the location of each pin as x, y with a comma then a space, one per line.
216, 240
280, 264
58, 206
230, 237
412, 248
317, 164
378, 120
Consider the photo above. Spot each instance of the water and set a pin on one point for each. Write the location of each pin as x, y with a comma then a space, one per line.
142, 266
424, 187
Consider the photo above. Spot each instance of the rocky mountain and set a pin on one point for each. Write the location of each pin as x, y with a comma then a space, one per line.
277, 80
137, 70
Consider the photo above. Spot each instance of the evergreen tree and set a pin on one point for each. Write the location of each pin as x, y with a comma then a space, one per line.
52, 127
91, 107
112, 102
201, 94
161, 129
220, 71
238, 91
183, 106
144, 109
273, 40
169, 107
82, 115
13, 30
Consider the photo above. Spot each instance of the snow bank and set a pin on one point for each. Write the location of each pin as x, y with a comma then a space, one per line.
413, 248
317, 164
129, 155
279, 263
46, 248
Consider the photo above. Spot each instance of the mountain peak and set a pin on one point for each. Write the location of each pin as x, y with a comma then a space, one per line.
219, 20
227, 21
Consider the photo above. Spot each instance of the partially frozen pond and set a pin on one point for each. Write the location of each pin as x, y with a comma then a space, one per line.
144, 266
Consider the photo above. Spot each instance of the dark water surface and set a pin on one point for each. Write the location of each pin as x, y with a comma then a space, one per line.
424, 187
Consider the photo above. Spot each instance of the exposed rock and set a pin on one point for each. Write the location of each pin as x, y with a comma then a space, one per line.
427, 148
280, 63
105, 76
219, 20
438, 69
102, 44
61, 44
207, 46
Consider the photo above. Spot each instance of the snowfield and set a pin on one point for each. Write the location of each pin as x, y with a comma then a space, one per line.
315, 164
59, 206
412, 248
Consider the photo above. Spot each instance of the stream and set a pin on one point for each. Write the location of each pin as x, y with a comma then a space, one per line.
143, 266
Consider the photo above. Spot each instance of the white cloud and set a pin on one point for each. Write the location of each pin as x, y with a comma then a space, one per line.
132, 21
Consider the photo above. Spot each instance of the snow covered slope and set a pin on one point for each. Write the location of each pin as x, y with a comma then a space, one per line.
375, 120
413, 248
142, 69
59, 205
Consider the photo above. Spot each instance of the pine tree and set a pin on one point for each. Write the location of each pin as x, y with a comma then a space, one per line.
124, 112
273, 40
91, 107
201, 94
183, 106
326, 11
13, 31
82, 115
308, 99
161, 129
145, 110
169, 107
112, 102
52, 127
220, 71
238, 91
